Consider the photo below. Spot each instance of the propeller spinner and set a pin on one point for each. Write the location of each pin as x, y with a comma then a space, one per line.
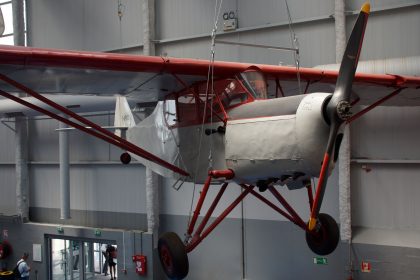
337, 111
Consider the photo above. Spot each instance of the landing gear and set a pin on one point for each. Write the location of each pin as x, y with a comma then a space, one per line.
324, 240
173, 256
125, 158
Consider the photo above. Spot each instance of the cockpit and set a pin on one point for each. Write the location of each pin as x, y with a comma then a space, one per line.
211, 101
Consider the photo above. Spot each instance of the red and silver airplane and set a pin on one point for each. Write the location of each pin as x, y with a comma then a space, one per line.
257, 142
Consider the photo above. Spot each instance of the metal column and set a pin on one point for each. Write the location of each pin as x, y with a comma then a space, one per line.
344, 156
64, 172
22, 181
152, 179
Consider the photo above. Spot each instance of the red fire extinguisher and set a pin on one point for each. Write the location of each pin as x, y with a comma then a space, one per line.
141, 264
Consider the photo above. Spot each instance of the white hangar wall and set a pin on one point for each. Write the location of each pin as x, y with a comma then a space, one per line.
383, 198
84, 25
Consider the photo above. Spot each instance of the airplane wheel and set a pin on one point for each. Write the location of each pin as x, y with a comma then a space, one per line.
125, 158
173, 256
325, 240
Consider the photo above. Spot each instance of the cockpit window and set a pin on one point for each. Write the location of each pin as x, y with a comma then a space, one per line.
233, 95
205, 102
255, 83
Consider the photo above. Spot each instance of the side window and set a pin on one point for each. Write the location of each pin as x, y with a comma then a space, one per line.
234, 94
187, 108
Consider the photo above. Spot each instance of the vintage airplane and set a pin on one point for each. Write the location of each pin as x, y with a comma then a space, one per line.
221, 130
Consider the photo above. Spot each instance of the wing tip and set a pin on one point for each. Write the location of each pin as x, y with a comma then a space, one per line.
366, 8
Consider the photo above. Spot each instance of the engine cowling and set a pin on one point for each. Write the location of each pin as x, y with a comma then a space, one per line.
288, 144
312, 131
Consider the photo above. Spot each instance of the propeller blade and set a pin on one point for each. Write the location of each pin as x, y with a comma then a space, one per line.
339, 105
338, 108
323, 176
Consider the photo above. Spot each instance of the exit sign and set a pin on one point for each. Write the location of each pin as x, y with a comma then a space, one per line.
320, 260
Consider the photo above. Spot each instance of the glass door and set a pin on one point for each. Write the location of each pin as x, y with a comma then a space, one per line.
59, 259
76, 260
73, 259
88, 253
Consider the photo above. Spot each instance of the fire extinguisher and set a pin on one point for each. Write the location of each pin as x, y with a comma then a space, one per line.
141, 264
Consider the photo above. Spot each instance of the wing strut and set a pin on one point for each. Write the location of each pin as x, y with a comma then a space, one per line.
96, 130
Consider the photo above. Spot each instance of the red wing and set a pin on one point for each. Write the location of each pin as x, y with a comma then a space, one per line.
151, 78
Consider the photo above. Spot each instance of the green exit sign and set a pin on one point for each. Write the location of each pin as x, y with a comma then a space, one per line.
60, 229
320, 260
97, 232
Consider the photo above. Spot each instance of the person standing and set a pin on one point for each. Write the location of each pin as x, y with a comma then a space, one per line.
23, 267
112, 258
105, 255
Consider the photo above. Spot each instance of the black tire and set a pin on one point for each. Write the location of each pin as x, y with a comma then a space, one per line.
173, 256
325, 240
125, 158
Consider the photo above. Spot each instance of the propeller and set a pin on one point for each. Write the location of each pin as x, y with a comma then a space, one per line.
337, 111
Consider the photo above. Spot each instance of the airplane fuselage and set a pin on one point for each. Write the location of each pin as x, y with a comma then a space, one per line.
281, 138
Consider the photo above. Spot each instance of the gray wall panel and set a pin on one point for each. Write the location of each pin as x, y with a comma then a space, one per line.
98, 219
56, 24
317, 46
378, 4
387, 262
8, 190
83, 147
104, 31
81, 25
391, 34
386, 197
44, 140
387, 133
186, 17
273, 11
97, 188
7, 149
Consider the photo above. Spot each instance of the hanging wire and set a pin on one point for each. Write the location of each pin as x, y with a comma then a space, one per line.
295, 44
209, 84
120, 13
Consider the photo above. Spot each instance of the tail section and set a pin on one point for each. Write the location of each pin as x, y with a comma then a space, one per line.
123, 116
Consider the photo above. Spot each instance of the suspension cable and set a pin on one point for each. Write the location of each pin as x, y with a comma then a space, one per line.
209, 84
120, 13
295, 44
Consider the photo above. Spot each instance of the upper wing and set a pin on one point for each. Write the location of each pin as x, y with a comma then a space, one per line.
148, 78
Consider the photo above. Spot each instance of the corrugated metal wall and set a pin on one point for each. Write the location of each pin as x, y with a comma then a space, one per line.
385, 197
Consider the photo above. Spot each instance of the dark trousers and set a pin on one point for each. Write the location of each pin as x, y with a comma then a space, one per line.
105, 265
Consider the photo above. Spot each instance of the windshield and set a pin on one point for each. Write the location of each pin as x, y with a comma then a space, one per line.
255, 83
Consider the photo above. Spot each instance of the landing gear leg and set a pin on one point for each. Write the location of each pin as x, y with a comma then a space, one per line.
324, 238
173, 256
